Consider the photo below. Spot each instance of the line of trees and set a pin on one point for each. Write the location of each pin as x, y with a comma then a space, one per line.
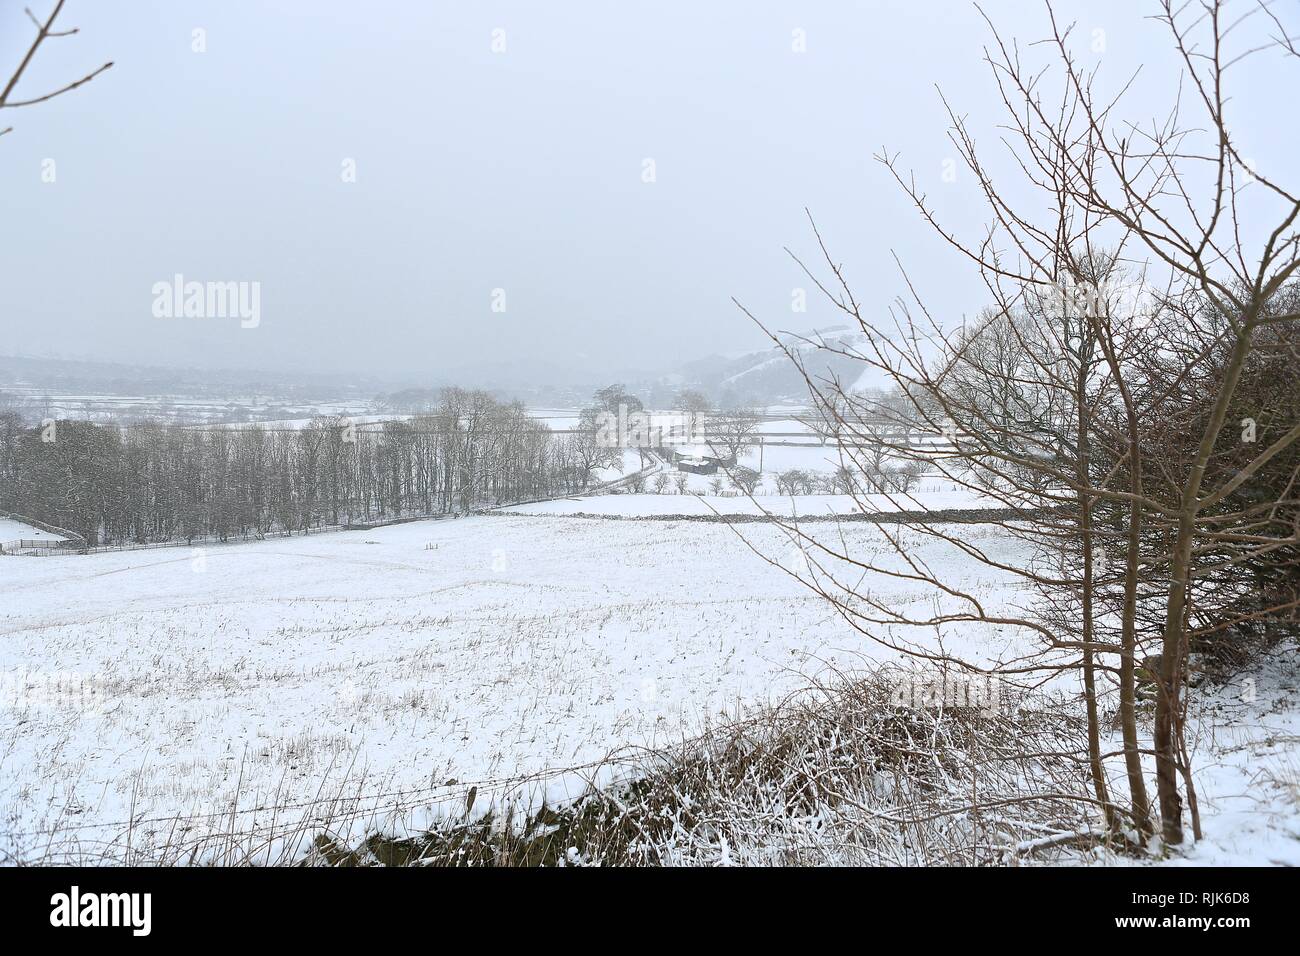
163, 482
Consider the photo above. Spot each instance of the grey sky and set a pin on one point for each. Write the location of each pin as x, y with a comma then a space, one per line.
520, 170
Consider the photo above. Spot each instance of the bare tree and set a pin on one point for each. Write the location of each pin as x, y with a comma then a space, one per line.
745, 479
732, 432
1092, 400
44, 31
794, 481
695, 405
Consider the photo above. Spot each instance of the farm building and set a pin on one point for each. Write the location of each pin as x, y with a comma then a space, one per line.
697, 466
693, 458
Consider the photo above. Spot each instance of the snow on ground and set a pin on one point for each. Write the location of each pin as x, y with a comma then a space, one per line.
810, 457
106, 407
561, 419
1245, 740
658, 506
931, 494
11, 530
386, 663
303, 422
786, 426
632, 462
390, 669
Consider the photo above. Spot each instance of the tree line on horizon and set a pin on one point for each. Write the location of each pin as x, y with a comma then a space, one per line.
156, 482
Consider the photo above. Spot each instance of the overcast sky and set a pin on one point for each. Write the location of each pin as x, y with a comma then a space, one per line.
522, 170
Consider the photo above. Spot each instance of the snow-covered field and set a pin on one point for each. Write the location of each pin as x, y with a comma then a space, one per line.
374, 676
109, 407
11, 530
660, 505
388, 662
17, 529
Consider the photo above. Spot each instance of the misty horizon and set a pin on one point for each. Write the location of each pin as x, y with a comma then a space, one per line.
563, 190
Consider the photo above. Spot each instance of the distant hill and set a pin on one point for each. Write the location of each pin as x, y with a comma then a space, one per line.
763, 376
769, 376
28, 377
119, 378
